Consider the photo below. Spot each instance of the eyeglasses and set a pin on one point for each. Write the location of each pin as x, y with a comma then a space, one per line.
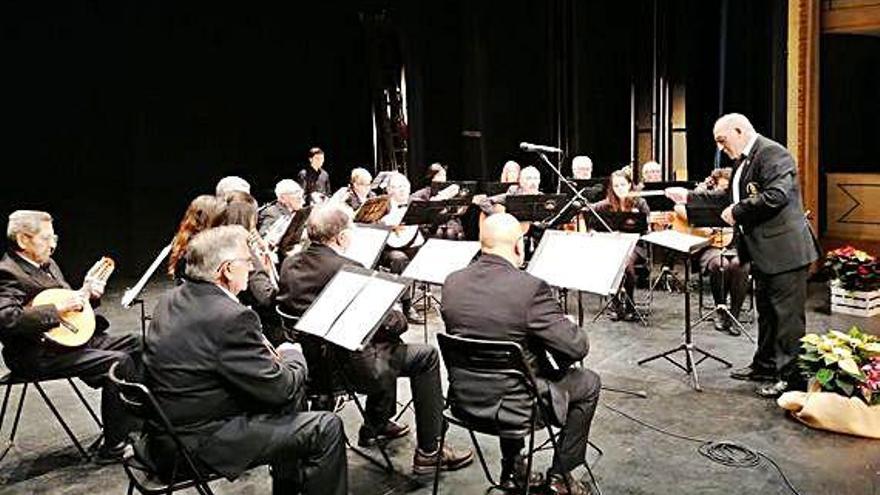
247, 260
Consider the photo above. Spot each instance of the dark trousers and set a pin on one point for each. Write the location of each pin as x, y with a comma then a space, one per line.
726, 276
629, 275
780, 299
583, 387
90, 364
374, 371
307, 453
396, 260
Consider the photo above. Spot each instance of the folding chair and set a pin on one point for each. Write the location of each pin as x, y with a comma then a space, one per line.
492, 358
186, 472
11, 379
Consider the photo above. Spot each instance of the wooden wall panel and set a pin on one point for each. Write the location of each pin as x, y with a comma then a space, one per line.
853, 209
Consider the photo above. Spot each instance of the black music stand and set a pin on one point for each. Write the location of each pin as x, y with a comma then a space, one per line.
465, 187
591, 189
294, 233
495, 188
535, 207
686, 244
434, 212
709, 215
630, 222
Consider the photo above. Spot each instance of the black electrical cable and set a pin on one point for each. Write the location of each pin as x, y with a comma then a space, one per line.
726, 453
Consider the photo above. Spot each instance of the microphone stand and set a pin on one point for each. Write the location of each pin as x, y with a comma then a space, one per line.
577, 194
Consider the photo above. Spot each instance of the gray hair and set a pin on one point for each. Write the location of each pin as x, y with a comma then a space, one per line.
581, 161
25, 222
360, 172
736, 121
397, 178
211, 248
288, 186
327, 221
230, 184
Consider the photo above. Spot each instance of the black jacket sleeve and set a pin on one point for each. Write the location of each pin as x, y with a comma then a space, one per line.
547, 323
16, 319
246, 362
774, 174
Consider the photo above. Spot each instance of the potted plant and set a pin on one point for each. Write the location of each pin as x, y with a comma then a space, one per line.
855, 281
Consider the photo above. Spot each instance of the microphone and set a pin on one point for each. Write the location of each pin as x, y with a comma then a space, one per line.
539, 148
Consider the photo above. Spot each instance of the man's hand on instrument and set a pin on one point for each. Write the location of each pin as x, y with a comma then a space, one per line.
727, 216
75, 302
677, 194
93, 288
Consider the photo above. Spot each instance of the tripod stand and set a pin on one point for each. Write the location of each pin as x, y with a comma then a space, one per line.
685, 244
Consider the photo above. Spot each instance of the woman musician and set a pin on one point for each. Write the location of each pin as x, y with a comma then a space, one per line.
727, 275
618, 198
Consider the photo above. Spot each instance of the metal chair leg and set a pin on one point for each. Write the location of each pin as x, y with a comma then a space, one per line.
61, 421
439, 460
86, 403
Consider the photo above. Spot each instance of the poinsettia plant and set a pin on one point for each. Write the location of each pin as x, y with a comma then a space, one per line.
853, 269
845, 363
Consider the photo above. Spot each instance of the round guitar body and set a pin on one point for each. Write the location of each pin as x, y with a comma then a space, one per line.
83, 321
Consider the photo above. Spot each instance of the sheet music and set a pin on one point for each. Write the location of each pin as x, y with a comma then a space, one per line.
366, 244
588, 262
131, 294
683, 243
364, 313
332, 301
440, 257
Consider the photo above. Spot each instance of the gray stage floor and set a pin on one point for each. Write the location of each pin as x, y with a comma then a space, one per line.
636, 459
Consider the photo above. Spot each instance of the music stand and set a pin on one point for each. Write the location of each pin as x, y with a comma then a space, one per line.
367, 242
685, 244
294, 232
591, 189
352, 306
465, 187
630, 222
372, 210
495, 188
435, 260
534, 207
130, 296
708, 214
434, 212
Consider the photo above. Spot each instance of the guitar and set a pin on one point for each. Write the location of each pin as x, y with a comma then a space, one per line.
76, 327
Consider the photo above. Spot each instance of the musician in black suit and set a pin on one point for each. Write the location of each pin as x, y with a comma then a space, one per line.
358, 191
288, 200
375, 369
232, 397
492, 299
28, 269
314, 180
766, 209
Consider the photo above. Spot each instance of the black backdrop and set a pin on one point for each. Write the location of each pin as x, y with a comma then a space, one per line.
116, 114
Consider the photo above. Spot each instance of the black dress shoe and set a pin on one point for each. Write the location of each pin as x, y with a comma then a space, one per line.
109, 454
391, 431
771, 390
732, 327
513, 475
753, 374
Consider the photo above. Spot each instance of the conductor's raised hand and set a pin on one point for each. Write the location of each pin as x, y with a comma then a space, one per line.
677, 194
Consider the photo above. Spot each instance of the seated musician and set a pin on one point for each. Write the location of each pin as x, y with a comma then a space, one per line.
233, 398
510, 172
262, 286
231, 184
581, 167
375, 369
529, 184
404, 241
359, 189
525, 312
652, 172
618, 199
727, 274
274, 219
204, 212
26, 270
451, 229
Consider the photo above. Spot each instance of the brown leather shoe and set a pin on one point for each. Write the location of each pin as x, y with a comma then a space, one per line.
556, 485
392, 431
450, 460
513, 475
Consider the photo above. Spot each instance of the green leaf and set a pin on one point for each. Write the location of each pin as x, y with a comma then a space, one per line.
812, 357
831, 358
849, 365
824, 376
846, 387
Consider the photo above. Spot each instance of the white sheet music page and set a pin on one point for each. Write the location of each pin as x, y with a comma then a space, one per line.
677, 241
364, 313
440, 257
366, 243
319, 318
589, 262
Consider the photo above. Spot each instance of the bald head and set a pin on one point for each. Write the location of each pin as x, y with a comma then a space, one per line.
501, 235
732, 132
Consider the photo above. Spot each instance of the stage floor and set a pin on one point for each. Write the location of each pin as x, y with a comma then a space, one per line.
636, 459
